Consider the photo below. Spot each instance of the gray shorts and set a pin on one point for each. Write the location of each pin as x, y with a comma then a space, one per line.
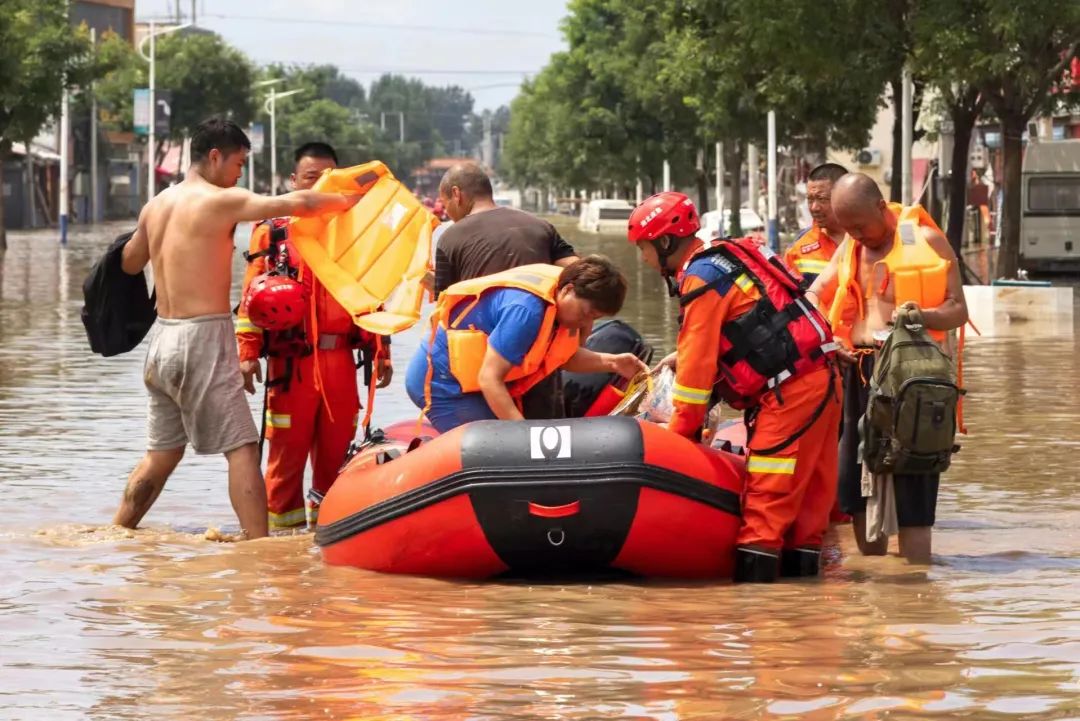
196, 391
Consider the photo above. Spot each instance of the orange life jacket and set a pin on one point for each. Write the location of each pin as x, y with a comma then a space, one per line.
914, 268
466, 347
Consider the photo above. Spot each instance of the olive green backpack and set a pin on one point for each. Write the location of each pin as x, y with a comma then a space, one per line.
910, 423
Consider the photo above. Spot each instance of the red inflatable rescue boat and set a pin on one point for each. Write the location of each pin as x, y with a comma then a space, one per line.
582, 495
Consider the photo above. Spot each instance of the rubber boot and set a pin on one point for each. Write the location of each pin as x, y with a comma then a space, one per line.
800, 562
755, 566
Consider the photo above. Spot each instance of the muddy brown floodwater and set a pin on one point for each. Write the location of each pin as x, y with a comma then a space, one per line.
163, 624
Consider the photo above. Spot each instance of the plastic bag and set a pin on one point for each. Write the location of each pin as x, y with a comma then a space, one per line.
658, 406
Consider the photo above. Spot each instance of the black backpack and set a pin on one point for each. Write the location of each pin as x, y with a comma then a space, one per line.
118, 309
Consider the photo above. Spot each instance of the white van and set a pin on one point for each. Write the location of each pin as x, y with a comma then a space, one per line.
1050, 210
606, 216
712, 226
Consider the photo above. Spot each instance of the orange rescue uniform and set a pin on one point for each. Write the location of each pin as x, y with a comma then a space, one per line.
791, 486
313, 402
810, 254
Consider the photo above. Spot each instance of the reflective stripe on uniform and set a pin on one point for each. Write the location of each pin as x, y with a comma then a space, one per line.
694, 396
290, 518
244, 325
810, 265
744, 283
279, 420
771, 464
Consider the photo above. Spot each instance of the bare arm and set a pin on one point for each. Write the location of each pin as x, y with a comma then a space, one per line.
569, 260
136, 253
240, 205
584, 360
952, 313
492, 382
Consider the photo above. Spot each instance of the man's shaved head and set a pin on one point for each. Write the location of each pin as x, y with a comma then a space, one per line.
861, 210
462, 186
856, 190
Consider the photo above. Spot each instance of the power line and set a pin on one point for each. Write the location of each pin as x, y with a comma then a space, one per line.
369, 25
379, 70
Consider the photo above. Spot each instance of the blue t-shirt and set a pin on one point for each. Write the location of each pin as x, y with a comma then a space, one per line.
511, 318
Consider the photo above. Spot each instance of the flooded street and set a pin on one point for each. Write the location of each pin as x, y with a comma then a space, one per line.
163, 624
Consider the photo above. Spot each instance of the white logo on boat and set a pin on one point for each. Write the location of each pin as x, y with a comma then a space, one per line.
549, 442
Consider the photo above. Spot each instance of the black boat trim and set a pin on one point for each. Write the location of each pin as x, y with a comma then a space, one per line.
471, 479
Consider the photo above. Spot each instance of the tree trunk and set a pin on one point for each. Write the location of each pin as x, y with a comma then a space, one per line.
31, 187
963, 125
5, 148
734, 166
702, 178
896, 181
1012, 127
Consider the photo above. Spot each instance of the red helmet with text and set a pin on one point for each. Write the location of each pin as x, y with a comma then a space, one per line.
275, 303
667, 213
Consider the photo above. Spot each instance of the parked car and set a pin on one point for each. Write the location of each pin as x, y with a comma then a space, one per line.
712, 227
606, 216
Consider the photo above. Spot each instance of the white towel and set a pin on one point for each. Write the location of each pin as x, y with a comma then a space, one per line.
878, 491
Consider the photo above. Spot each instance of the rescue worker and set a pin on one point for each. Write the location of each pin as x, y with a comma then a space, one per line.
313, 402
863, 275
748, 336
814, 247
495, 337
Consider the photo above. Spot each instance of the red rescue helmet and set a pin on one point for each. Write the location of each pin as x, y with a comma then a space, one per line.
667, 213
275, 303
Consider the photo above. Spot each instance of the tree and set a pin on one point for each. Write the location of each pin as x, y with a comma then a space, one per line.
40, 53
1026, 47
732, 63
323, 120
206, 76
943, 47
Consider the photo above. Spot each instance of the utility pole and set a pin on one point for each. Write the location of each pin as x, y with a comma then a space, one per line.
95, 215
192, 9
251, 160
667, 175
720, 181
753, 182
774, 230
906, 136
65, 160
401, 127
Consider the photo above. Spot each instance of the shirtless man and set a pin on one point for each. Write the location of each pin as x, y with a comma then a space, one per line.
192, 371
872, 224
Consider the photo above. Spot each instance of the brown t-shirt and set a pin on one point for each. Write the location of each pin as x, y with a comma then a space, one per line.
493, 241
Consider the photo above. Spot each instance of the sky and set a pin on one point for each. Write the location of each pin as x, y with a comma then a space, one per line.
487, 47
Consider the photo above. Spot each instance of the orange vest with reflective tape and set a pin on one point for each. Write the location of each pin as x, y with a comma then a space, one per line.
915, 270
466, 347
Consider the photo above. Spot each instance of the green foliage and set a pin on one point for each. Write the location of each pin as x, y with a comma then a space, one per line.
327, 121
1011, 52
652, 80
206, 76
125, 72
39, 53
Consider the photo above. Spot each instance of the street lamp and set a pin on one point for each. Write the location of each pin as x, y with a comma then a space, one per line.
271, 107
151, 161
